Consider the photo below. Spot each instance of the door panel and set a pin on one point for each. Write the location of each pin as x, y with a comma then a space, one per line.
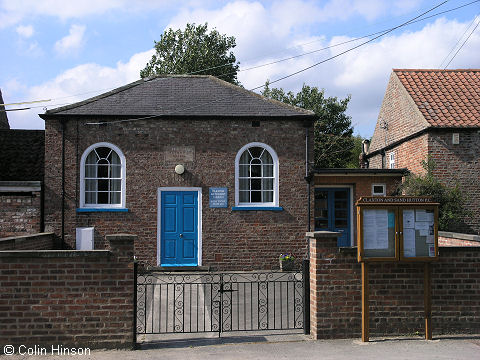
332, 212
179, 228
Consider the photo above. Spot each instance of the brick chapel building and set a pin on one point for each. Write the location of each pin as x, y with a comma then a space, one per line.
206, 173
433, 113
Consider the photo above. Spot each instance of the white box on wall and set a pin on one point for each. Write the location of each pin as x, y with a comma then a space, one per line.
84, 238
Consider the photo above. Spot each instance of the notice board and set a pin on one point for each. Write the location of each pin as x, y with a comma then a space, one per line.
397, 229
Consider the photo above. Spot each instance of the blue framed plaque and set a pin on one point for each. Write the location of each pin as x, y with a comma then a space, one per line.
218, 197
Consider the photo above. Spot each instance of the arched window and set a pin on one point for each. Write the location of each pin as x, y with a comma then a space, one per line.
102, 177
256, 176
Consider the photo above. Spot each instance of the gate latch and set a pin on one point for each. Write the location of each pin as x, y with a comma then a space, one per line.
223, 290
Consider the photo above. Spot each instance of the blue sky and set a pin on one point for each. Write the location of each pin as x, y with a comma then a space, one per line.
68, 51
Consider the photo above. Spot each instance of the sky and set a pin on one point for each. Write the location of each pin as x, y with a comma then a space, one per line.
68, 51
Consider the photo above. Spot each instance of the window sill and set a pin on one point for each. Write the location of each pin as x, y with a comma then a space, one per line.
84, 210
257, 208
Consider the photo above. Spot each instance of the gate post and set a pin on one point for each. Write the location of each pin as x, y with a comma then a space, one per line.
306, 296
135, 271
321, 243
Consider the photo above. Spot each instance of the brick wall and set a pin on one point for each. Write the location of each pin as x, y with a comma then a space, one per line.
455, 239
231, 239
408, 155
41, 241
19, 213
400, 113
67, 297
396, 293
459, 164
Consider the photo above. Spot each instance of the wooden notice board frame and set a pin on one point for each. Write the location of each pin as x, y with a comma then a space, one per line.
389, 218
398, 206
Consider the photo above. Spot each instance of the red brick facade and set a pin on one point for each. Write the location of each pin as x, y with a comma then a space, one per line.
231, 239
412, 138
396, 293
20, 213
72, 298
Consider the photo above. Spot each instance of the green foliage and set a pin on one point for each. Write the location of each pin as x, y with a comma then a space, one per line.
451, 211
333, 130
353, 163
194, 51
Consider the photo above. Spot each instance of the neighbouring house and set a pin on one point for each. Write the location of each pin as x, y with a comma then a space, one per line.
434, 113
3, 114
21, 181
337, 190
206, 173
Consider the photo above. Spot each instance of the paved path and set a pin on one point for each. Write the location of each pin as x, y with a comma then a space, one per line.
294, 347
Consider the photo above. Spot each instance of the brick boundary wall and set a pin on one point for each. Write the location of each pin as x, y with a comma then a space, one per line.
396, 293
456, 239
68, 297
40, 241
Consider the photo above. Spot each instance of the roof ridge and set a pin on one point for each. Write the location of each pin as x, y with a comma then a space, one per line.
260, 96
437, 70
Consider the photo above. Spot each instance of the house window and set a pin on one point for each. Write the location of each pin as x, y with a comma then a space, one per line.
256, 176
102, 177
391, 160
379, 190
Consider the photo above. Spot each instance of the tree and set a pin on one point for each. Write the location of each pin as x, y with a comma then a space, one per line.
332, 131
194, 51
451, 210
354, 163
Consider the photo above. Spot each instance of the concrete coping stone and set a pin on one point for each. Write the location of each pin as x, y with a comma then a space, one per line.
120, 237
20, 186
459, 236
19, 237
322, 234
53, 253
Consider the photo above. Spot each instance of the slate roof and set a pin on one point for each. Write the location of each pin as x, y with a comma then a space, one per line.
3, 115
22, 154
446, 98
181, 95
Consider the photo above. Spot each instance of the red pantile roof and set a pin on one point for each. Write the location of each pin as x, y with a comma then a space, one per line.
446, 98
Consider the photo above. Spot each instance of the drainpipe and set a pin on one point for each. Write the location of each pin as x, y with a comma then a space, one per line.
307, 178
63, 123
42, 205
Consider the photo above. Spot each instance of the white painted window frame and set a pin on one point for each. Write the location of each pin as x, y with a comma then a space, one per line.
274, 156
159, 219
384, 192
352, 207
391, 160
123, 175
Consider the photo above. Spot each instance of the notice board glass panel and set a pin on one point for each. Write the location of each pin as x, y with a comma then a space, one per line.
418, 233
378, 233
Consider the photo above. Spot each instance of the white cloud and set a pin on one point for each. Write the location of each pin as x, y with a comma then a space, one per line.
25, 31
75, 84
72, 42
12, 12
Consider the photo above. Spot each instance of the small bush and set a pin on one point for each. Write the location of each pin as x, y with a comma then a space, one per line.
451, 211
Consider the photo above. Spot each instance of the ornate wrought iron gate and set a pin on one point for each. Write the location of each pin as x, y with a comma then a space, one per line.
219, 302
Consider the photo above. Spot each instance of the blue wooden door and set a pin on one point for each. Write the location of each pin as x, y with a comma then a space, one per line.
179, 228
332, 212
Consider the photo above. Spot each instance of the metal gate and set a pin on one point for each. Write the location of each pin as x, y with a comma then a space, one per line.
220, 302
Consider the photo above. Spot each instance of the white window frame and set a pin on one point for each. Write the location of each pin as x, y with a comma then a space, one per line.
384, 192
391, 160
123, 175
274, 156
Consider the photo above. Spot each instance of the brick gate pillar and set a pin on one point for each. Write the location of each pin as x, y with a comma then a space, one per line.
321, 244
